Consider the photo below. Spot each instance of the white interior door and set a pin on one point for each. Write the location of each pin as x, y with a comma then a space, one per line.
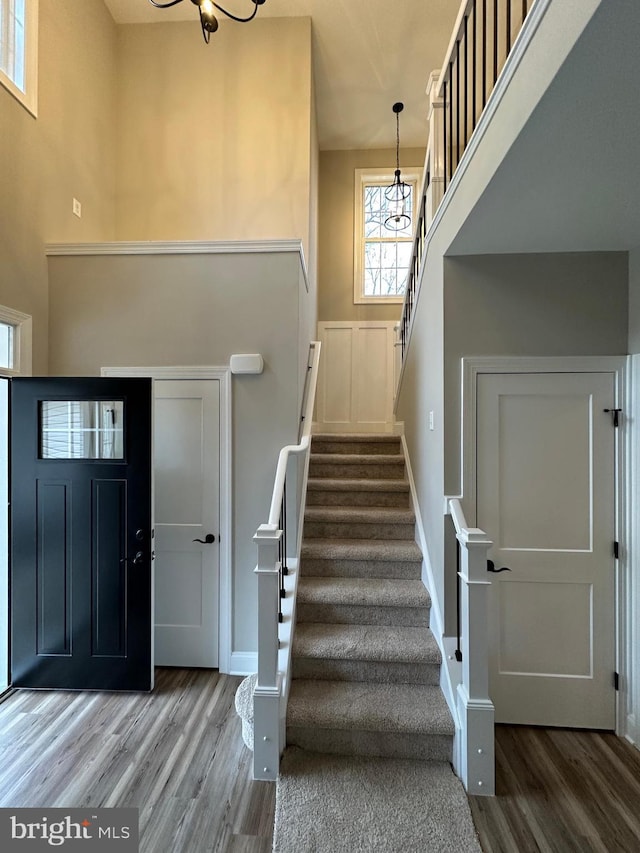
187, 488
546, 497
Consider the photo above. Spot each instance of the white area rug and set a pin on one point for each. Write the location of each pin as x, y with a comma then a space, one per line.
336, 803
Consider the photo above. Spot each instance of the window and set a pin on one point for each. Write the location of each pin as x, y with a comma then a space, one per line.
18, 50
81, 429
381, 256
15, 343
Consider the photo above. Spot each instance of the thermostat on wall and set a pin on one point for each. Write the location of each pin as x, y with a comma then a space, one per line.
251, 363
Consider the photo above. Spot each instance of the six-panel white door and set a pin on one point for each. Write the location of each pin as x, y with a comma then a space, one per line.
186, 470
546, 497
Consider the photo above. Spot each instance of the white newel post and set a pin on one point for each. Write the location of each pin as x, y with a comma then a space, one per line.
436, 146
475, 708
266, 694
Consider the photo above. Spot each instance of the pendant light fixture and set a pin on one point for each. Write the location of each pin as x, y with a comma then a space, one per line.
208, 19
398, 193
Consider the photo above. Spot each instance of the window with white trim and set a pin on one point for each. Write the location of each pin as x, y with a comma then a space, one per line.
19, 49
15, 342
381, 256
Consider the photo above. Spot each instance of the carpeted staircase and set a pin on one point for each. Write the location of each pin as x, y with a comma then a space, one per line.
366, 667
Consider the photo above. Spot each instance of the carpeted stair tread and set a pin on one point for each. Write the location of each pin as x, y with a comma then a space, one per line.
362, 549
356, 437
371, 459
377, 592
355, 804
360, 514
369, 706
354, 444
365, 643
329, 484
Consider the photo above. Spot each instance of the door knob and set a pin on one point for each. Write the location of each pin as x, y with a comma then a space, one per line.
491, 567
139, 558
209, 539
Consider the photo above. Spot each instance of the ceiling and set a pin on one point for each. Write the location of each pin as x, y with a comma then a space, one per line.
367, 55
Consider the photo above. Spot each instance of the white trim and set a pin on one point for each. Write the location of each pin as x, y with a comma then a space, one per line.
436, 615
619, 367
22, 345
223, 375
184, 247
630, 603
28, 96
243, 663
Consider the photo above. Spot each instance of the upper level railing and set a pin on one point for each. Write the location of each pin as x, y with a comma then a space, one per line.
278, 560
482, 39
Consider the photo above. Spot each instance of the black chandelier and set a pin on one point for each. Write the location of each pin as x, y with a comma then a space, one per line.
208, 19
398, 193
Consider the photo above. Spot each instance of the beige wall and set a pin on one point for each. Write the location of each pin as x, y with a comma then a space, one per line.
197, 309
335, 230
214, 141
67, 152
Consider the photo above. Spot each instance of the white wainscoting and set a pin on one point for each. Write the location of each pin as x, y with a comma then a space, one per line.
356, 381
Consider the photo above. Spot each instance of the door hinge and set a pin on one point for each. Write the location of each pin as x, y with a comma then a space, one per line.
616, 681
615, 413
616, 550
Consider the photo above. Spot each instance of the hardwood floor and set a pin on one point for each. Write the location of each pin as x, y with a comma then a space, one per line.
178, 756
561, 790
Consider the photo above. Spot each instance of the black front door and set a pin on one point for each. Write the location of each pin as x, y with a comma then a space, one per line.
81, 533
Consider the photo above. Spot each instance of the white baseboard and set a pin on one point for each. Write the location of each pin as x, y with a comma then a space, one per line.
243, 663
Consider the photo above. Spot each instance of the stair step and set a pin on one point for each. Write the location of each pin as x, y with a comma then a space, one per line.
360, 558
357, 465
354, 492
347, 443
398, 654
350, 601
359, 522
400, 720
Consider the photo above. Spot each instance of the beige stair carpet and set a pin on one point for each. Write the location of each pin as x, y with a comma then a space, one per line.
340, 804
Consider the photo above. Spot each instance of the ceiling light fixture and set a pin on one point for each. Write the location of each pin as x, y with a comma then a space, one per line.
398, 193
207, 8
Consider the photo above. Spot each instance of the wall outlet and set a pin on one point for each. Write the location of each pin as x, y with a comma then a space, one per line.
77, 208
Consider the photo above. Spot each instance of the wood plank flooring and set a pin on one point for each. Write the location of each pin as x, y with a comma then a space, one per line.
178, 756
561, 790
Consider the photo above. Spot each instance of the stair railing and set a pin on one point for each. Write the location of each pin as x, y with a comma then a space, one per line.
483, 37
474, 758
277, 572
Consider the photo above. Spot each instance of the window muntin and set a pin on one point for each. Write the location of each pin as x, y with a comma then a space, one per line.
381, 256
81, 429
18, 49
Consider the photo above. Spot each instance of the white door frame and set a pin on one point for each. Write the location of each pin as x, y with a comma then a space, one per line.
619, 367
223, 375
